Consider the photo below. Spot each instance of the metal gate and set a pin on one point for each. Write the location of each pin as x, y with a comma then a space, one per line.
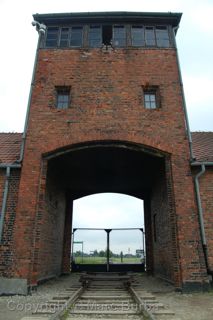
85, 257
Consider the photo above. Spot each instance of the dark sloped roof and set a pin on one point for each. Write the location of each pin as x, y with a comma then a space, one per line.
202, 143
10, 144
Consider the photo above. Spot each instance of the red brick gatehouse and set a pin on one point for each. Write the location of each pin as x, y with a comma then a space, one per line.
106, 113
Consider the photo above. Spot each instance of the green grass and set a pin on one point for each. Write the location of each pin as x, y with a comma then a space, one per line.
103, 260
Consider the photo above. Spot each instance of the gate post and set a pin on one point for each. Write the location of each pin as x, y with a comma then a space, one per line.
108, 232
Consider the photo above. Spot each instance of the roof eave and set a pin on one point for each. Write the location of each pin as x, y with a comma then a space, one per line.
116, 16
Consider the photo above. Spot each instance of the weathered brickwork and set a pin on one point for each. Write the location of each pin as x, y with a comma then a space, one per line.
7, 245
107, 104
106, 110
161, 227
51, 228
206, 192
2, 181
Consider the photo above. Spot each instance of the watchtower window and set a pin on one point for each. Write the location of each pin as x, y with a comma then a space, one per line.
76, 38
64, 38
52, 37
63, 97
162, 36
137, 36
119, 36
107, 35
95, 36
150, 36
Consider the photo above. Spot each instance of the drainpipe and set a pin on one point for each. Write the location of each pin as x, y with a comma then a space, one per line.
5, 194
41, 28
200, 213
192, 158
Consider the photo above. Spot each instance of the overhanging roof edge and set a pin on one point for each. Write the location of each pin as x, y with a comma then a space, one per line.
174, 18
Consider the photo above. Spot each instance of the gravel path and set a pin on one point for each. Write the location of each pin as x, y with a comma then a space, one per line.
196, 306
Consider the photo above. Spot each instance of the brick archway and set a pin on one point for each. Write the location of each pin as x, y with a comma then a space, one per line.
104, 166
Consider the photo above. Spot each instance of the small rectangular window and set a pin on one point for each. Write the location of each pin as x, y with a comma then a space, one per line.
150, 100
162, 36
95, 36
52, 37
76, 38
150, 36
119, 36
63, 97
151, 97
137, 35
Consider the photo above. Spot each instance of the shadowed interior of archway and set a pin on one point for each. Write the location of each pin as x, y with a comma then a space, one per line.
105, 168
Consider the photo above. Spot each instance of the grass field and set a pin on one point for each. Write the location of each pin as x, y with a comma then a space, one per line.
102, 260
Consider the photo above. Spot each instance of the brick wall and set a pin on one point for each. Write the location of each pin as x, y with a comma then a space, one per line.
2, 181
206, 193
161, 227
7, 246
50, 229
107, 105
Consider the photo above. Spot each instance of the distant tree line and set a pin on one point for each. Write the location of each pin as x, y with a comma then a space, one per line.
102, 253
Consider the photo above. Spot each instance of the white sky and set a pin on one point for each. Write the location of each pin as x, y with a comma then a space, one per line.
108, 210
19, 40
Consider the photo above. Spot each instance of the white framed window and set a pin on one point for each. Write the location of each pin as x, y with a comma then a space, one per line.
151, 97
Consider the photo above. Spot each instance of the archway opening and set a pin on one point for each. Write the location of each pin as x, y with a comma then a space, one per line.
106, 167
113, 216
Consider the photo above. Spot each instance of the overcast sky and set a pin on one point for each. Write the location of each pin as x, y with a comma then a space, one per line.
18, 44
108, 211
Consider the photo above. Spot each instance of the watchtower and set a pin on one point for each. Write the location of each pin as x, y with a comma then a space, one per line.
107, 114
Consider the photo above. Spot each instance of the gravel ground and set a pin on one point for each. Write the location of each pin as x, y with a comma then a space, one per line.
16, 307
196, 306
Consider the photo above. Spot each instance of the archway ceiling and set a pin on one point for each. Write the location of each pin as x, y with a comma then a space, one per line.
106, 169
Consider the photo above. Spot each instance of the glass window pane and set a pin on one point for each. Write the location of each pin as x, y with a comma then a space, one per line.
64, 37
150, 36
52, 37
152, 97
119, 36
147, 98
162, 37
95, 36
147, 104
163, 42
63, 97
76, 37
153, 105
137, 34
150, 100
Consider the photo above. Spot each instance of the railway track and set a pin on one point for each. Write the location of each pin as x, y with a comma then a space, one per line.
104, 296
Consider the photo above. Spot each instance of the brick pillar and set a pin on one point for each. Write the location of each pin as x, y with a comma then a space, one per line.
177, 279
40, 207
